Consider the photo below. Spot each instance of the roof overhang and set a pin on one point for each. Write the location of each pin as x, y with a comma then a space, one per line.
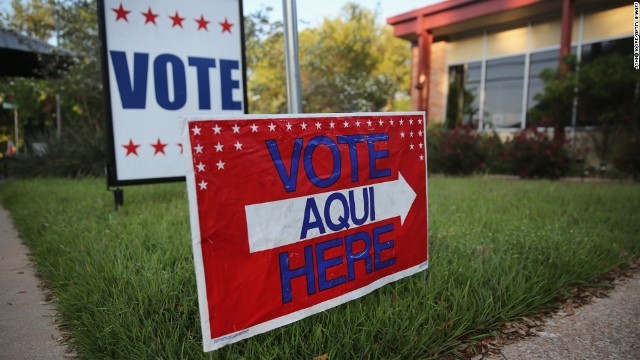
24, 56
461, 17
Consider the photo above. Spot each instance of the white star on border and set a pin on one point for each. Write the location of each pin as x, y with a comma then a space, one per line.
216, 129
289, 126
196, 130
236, 129
198, 149
410, 121
346, 124
420, 121
421, 157
411, 146
391, 122
219, 147
203, 185
332, 124
220, 165
381, 122
200, 167
238, 145
358, 123
411, 134
272, 127
420, 133
420, 145
254, 128
304, 126
401, 121
402, 134
318, 125
369, 123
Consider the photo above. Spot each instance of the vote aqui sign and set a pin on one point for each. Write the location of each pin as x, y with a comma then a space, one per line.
293, 215
163, 59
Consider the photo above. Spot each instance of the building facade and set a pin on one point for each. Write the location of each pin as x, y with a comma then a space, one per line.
478, 62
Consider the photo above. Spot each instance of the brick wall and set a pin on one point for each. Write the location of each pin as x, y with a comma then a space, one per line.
438, 83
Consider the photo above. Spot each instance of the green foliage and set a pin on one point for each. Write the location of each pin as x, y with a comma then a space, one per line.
349, 63
463, 151
532, 154
35, 18
499, 250
81, 149
266, 80
606, 89
607, 92
608, 98
79, 153
555, 103
626, 153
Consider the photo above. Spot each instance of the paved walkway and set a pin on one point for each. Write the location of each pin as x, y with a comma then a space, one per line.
608, 328
26, 320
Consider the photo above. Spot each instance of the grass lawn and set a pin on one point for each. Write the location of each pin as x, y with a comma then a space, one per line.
499, 250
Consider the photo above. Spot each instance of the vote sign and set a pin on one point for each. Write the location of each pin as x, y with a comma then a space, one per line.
293, 215
164, 59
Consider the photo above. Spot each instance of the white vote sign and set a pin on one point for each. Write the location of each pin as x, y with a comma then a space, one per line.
166, 59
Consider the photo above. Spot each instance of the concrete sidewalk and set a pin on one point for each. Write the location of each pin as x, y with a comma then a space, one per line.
27, 329
608, 328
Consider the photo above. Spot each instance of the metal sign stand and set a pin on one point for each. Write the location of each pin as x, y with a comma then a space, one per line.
294, 97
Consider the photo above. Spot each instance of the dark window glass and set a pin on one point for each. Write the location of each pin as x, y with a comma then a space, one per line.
464, 91
620, 46
618, 103
503, 92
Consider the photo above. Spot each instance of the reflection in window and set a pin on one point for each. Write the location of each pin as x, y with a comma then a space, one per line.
539, 62
503, 92
464, 92
592, 51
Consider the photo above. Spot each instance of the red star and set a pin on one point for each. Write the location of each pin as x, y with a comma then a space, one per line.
226, 26
149, 17
159, 147
181, 149
177, 20
202, 23
121, 13
131, 148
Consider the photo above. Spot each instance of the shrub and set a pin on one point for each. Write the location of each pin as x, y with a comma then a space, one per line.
80, 153
532, 154
455, 152
626, 154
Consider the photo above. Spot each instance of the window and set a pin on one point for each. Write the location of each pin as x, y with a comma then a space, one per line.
596, 57
539, 62
504, 86
503, 90
620, 46
464, 92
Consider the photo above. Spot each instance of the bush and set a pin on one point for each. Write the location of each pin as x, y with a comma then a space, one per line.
461, 151
626, 154
532, 154
80, 153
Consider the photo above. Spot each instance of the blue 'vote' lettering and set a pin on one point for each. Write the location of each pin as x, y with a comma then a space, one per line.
133, 89
290, 179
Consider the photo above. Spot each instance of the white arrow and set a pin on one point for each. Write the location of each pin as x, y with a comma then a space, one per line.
278, 223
